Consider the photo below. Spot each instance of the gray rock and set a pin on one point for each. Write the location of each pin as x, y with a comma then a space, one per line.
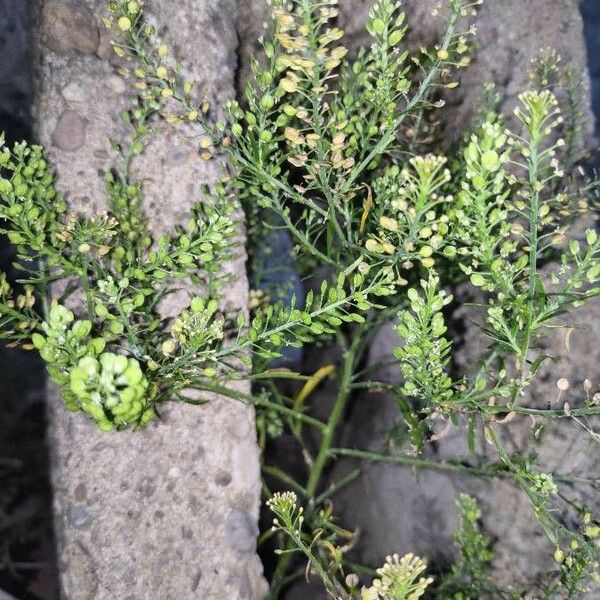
241, 531
169, 512
69, 27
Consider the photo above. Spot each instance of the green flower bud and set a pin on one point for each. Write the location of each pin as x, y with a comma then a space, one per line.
266, 136
236, 130
591, 237
197, 305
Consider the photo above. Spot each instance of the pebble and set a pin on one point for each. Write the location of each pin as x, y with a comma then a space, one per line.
79, 516
69, 133
117, 85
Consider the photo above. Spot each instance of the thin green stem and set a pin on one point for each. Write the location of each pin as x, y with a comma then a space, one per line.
493, 470
414, 461
335, 487
349, 362
88, 291
223, 390
284, 478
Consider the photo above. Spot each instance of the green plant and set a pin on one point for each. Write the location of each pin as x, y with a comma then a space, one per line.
469, 575
325, 147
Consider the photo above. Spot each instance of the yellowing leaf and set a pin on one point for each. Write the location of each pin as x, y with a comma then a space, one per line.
309, 387
366, 209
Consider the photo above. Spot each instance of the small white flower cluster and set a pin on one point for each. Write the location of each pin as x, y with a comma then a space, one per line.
399, 578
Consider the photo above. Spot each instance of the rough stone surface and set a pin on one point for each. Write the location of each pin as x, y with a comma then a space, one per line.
170, 512
69, 27
399, 510
563, 447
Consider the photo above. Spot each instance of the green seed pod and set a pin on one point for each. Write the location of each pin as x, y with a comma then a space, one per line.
81, 329
267, 102
395, 37
101, 311
38, 340
116, 327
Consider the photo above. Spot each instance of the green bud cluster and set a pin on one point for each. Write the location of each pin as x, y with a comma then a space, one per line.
425, 353
484, 230
32, 208
61, 341
112, 390
410, 208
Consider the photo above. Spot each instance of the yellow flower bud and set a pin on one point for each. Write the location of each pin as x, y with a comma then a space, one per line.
339, 52
168, 347
293, 135
373, 246
124, 23
559, 556
289, 85
389, 224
